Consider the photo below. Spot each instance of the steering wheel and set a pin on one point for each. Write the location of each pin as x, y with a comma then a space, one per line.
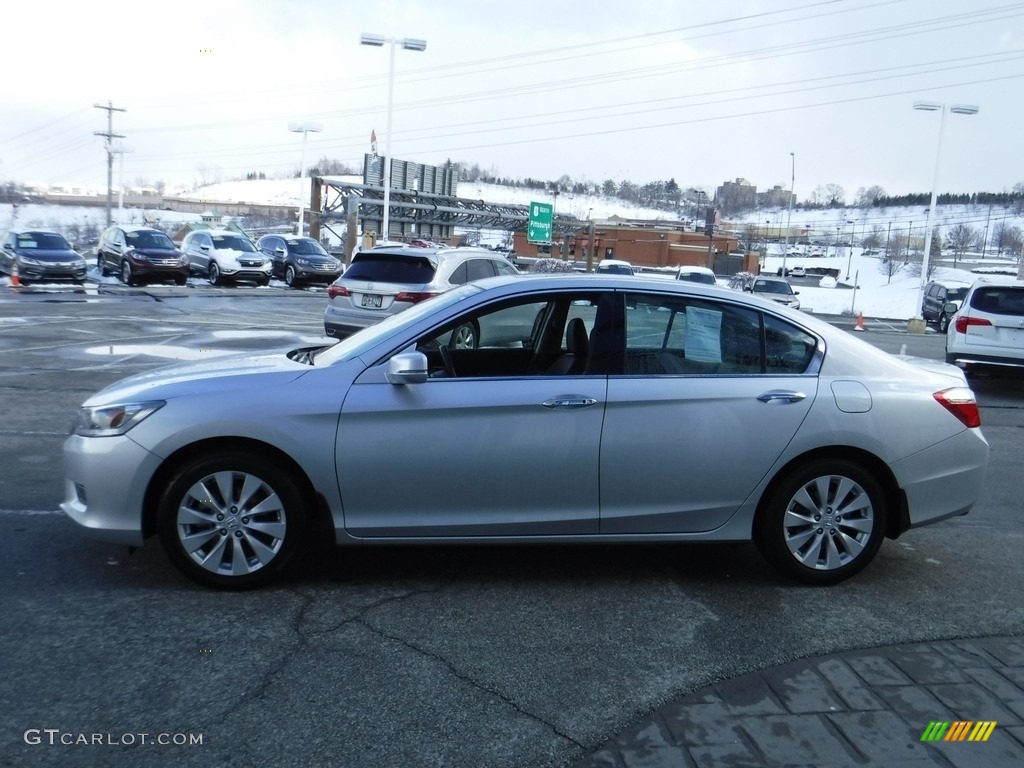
446, 358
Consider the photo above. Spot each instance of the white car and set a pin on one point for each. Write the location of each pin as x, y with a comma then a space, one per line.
988, 328
225, 255
697, 275
798, 272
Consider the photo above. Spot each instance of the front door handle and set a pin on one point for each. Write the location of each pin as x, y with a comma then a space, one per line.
569, 401
781, 396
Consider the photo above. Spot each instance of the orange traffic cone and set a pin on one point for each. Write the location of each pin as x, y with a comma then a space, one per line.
15, 282
860, 322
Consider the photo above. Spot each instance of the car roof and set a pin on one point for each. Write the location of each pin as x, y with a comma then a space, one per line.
998, 280
32, 231
696, 270
772, 278
613, 263
136, 228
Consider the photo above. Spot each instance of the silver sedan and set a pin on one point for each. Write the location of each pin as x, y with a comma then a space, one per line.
627, 410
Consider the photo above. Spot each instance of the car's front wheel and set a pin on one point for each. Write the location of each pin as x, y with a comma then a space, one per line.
466, 336
231, 520
823, 523
943, 323
127, 275
290, 277
214, 274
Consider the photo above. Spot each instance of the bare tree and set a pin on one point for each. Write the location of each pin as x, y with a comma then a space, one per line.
874, 238
835, 195
890, 265
865, 198
960, 238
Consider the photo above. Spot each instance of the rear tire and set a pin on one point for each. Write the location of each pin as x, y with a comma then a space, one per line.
823, 523
231, 520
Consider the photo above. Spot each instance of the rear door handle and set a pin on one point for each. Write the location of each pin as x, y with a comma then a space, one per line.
781, 396
569, 401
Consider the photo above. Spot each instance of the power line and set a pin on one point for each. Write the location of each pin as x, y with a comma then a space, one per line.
110, 136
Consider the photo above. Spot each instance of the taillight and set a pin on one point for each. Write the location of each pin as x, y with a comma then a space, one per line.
963, 321
334, 291
412, 297
961, 403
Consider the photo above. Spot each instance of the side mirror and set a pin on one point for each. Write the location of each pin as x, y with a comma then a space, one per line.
407, 368
279, 251
796, 293
204, 248
950, 308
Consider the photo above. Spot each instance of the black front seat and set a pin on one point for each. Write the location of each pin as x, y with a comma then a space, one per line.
577, 350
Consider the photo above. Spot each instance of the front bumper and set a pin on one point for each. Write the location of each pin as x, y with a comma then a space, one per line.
105, 484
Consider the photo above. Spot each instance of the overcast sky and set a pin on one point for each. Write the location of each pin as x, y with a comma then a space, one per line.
645, 90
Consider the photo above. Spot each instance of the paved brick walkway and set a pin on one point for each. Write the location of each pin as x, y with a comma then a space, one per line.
846, 710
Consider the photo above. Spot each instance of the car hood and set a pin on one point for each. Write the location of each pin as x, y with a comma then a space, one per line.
219, 375
166, 253
48, 255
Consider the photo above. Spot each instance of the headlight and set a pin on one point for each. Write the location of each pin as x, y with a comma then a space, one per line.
110, 420
29, 262
303, 262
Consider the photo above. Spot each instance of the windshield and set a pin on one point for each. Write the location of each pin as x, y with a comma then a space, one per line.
155, 240
370, 337
233, 242
44, 241
390, 268
956, 294
306, 247
772, 286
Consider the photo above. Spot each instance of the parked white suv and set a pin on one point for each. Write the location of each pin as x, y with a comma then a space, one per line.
988, 329
225, 255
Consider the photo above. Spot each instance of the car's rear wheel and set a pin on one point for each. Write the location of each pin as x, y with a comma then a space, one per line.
823, 523
466, 336
214, 274
127, 275
231, 520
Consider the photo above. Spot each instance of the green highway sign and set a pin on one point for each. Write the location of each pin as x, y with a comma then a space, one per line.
539, 228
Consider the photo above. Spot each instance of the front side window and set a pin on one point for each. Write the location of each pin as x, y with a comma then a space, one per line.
530, 336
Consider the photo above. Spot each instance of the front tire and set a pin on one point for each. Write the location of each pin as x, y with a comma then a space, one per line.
290, 277
214, 275
231, 520
823, 523
127, 275
943, 323
465, 337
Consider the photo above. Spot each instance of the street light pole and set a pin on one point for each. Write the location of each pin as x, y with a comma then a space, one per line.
917, 323
849, 257
789, 213
304, 129
408, 44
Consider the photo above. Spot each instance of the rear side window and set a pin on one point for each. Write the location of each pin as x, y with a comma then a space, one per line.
999, 300
390, 268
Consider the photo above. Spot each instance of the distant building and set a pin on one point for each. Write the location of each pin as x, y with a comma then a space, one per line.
776, 197
735, 196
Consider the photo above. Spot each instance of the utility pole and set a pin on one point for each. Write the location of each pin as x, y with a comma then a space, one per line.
108, 144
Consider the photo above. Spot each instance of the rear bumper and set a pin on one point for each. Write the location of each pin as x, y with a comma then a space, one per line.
965, 359
944, 480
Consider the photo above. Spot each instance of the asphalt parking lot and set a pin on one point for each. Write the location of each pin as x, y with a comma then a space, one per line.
472, 656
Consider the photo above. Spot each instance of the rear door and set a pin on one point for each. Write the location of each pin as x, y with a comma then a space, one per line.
709, 395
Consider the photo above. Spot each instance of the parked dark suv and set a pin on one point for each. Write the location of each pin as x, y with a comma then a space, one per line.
299, 259
140, 254
936, 296
39, 254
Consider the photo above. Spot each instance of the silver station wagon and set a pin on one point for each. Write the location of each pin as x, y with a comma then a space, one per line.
626, 410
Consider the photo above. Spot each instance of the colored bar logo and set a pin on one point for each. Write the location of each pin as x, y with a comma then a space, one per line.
958, 730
